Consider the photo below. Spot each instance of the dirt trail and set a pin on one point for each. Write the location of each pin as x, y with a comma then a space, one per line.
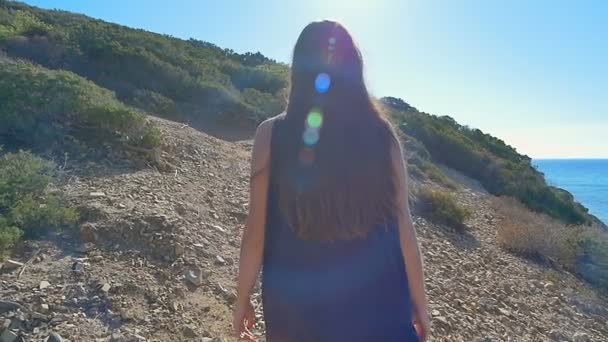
156, 261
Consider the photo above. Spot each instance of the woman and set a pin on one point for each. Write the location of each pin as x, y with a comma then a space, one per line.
329, 217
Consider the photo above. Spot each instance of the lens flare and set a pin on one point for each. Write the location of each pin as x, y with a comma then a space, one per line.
310, 137
322, 83
307, 156
314, 119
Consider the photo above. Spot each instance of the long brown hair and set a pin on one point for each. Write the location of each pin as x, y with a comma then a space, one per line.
333, 169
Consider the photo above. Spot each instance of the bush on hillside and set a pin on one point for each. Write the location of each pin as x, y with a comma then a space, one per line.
173, 74
26, 206
441, 207
499, 168
579, 249
44, 109
534, 235
424, 169
154, 103
592, 264
266, 104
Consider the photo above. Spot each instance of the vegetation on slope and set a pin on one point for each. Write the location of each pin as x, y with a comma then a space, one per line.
581, 250
442, 207
495, 164
160, 74
27, 207
48, 110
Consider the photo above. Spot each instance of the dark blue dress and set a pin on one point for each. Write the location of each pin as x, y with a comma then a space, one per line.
353, 290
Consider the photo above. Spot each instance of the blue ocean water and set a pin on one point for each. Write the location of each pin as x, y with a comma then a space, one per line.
586, 179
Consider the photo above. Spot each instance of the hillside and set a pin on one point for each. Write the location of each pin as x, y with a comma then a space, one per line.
146, 231
123, 222
226, 94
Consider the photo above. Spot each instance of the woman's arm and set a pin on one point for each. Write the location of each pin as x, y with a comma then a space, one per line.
409, 245
252, 243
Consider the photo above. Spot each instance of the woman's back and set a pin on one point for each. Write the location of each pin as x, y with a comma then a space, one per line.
328, 220
332, 291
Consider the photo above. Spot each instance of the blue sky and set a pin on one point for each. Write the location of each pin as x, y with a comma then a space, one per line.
534, 73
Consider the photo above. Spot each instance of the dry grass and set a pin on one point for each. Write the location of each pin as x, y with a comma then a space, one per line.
535, 235
579, 249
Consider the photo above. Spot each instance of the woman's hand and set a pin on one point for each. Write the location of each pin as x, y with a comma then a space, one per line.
243, 320
422, 324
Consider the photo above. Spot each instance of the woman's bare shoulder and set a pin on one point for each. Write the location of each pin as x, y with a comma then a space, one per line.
261, 142
264, 130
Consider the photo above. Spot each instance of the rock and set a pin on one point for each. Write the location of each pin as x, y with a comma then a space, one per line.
504, 312
117, 337
85, 247
435, 313
8, 336
443, 321
105, 288
39, 258
88, 232
44, 308
126, 315
218, 228
96, 258
78, 267
97, 194
54, 337
195, 276
10, 265
230, 297
219, 260
179, 250
239, 215
580, 337
549, 286
190, 330
44, 284
39, 316
557, 335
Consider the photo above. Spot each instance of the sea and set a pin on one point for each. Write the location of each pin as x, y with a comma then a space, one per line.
586, 179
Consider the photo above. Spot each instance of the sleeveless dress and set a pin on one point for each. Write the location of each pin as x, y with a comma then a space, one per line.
346, 290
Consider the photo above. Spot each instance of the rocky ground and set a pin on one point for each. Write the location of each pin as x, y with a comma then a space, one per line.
156, 261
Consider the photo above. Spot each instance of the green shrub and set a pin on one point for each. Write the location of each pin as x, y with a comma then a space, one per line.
26, 206
9, 235
158, 73
154, 103
266, 104
424, 169
44, 110
22, 174
36, 215
441, 207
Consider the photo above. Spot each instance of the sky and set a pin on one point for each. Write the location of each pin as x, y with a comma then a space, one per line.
533, 73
